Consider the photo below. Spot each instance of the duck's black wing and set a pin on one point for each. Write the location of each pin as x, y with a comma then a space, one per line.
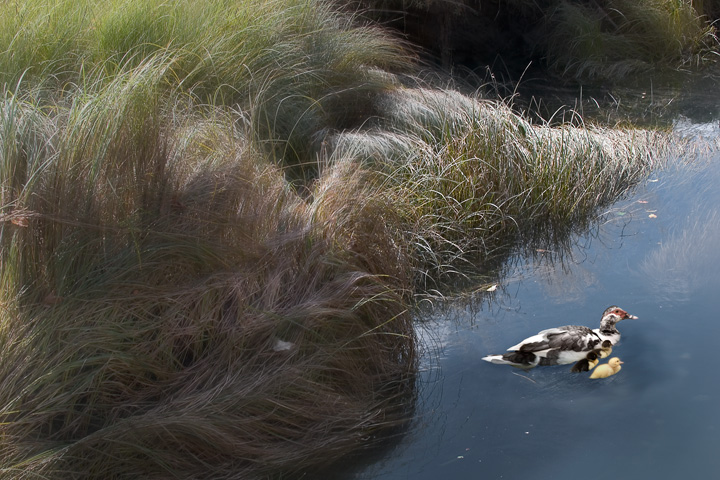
570, 338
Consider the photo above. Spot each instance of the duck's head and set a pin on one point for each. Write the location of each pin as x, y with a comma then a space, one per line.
614, 314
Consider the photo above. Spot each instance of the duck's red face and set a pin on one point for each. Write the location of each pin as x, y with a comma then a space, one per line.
623, 314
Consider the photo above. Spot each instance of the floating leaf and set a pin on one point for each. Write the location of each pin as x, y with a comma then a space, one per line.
652, 215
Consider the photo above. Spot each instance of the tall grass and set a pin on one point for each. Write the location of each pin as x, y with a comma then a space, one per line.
472, 180
294, 64
168, 307
601, 39
616, 38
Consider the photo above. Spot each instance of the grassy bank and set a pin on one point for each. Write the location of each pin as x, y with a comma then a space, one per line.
169, 309
471, 181
214, 217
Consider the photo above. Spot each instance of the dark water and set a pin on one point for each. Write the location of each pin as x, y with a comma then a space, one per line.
658, 418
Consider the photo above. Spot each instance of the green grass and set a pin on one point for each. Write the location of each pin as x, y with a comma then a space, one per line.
617, 38
292, 65
215, 218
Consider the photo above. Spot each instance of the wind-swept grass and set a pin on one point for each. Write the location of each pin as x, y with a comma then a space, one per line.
168, 307
294, 65
472, 180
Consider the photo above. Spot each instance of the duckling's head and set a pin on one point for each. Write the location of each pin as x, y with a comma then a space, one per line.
615, 362
592, 356
606, 344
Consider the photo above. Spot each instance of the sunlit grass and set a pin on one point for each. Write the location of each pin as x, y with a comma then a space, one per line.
472, 180
292, 64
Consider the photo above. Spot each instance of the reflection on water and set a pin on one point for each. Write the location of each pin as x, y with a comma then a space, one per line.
657, 256
683, 263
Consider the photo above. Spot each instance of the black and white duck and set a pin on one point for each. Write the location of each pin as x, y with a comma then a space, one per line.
563, 345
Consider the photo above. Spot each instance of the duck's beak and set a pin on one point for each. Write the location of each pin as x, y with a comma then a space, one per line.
631, 317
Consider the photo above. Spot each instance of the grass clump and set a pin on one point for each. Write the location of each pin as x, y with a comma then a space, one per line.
472, 180
169, 307
607, 40
293, 65
617, 38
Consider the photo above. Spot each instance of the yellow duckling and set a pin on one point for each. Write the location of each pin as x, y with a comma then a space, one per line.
607, 369
587, 363
605, 349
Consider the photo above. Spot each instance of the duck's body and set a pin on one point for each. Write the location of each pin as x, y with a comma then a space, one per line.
607, 369
563, 345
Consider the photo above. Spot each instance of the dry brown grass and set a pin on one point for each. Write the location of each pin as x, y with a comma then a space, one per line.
171, 308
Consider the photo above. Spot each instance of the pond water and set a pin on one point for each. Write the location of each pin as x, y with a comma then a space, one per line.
656, 254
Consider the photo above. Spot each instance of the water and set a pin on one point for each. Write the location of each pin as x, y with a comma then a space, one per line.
656, 255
